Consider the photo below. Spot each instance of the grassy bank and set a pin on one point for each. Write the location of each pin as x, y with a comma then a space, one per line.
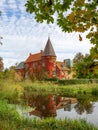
12, 91
11, 120
47, 124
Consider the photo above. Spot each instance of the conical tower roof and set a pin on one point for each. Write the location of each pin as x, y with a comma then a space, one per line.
49, 51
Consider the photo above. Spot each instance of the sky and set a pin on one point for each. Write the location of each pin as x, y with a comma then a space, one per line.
22, 35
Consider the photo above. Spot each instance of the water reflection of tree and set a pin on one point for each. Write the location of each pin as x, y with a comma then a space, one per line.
84, 105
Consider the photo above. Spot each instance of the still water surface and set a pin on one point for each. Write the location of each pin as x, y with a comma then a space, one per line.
63, 107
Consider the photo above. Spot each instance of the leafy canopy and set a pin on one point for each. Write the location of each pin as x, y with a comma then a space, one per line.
70, 15
85, 67
78, 58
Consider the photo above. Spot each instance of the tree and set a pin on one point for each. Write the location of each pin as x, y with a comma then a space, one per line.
78, 57
9, 73
70, 15
86, 68
1, 67
1, 64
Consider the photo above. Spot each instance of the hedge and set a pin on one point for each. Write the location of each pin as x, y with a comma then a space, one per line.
77, 81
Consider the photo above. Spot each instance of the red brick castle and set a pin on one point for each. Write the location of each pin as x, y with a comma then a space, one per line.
44, 63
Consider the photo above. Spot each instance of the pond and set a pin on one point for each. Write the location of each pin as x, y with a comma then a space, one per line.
63, 107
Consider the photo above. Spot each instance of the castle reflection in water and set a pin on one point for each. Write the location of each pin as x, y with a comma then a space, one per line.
46, 106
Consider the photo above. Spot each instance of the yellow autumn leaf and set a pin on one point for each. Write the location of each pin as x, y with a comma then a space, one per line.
71, 17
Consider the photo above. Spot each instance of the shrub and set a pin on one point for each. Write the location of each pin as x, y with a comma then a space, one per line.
73, 81
51, 79
95, 91
8, 113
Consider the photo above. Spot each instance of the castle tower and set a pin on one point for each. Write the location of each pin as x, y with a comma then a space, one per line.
49, 51
49, 58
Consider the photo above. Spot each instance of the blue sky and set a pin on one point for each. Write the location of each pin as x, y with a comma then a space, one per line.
23, 35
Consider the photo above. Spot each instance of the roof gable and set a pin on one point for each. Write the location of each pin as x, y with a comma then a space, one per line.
34, 57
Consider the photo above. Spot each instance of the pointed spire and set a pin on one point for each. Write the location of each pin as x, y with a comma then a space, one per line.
49, 51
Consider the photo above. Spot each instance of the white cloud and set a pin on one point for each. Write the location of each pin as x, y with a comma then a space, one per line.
10, 62
12, 4
1, 3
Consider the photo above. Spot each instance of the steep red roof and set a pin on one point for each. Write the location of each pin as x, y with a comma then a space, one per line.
34, 57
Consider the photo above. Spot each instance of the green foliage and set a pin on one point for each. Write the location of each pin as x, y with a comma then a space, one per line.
10, 91
1, 64
95, 91
73, 81
51, 79
11, 97
67, 14
86, 68
8, 113
78, 58
8, 73
14, 91
43, 88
